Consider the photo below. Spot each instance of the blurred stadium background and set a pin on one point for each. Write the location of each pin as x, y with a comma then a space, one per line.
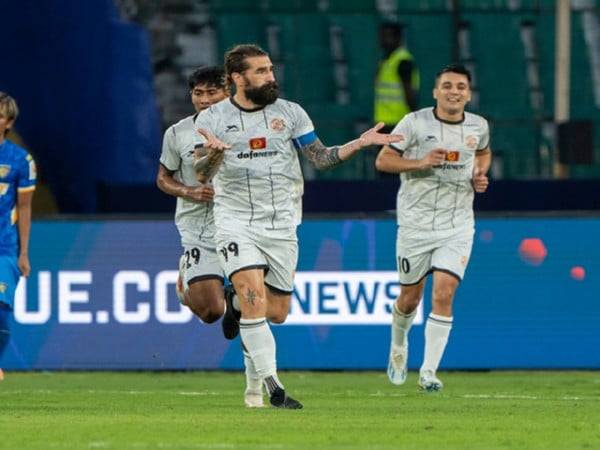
98, 81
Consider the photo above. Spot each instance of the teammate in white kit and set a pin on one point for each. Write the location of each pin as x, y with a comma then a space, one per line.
442, 159
253, 140
200, 284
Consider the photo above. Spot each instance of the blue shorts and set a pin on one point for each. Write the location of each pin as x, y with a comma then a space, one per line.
9, 278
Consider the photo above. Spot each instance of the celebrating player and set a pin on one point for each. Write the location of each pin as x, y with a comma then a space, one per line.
442, 159
252, 142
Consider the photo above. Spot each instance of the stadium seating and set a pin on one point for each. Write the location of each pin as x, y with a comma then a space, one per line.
412, 6
515, 145
431, 53
333, 79
500, 65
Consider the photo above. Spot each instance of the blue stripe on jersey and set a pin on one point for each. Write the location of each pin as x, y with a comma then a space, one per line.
304, 140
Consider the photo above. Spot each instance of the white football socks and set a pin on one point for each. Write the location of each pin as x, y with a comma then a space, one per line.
260, 343
437, 330
253, 380
401, 324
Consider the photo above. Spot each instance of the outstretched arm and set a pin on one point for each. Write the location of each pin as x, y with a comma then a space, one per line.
326, 157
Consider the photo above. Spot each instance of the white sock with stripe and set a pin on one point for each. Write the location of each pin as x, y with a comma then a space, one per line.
260, 343
253, 380
437, 330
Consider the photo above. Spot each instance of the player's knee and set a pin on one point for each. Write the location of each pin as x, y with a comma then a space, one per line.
278, 316
208, 308
209, 316
443, 296
408, 302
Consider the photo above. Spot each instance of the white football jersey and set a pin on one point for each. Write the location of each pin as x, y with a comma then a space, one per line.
439, 198
260, 181
178, 156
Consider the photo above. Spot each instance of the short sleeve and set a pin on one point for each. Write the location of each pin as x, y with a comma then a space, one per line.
404, 128
206, 121
303, 130
27, 174
485, 136
170, 157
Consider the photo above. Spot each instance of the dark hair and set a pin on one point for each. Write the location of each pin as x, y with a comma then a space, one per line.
235, 59
209, 75
454, 68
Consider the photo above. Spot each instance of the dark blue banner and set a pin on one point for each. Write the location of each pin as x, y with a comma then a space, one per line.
101, 296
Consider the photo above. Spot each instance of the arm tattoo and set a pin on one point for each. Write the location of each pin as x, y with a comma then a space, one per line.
322, 157
207, 166
251, 296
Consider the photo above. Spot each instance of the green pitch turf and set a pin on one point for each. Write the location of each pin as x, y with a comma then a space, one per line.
346, 410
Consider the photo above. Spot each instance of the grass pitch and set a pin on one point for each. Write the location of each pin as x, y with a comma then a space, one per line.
345, 410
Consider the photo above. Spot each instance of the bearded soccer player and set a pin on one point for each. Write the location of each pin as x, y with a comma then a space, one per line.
253, 140
17, 183
442, 159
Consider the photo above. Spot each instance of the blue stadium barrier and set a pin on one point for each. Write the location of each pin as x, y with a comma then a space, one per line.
83, 81
101, 296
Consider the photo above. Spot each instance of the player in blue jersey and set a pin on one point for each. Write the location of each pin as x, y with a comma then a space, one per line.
17, 183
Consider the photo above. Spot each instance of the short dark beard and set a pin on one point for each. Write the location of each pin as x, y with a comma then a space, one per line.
263, 95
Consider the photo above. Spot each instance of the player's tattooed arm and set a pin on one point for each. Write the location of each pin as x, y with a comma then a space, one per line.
322, 157
207, 166
326, 157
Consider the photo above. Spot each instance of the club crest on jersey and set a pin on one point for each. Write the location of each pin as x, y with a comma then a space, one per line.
4, 170
277, 124
471, 141
452, 155
258, 143
3, 287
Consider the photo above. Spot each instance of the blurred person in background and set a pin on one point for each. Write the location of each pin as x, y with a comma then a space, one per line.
253, 140
442, 159
397, 81
17, 184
